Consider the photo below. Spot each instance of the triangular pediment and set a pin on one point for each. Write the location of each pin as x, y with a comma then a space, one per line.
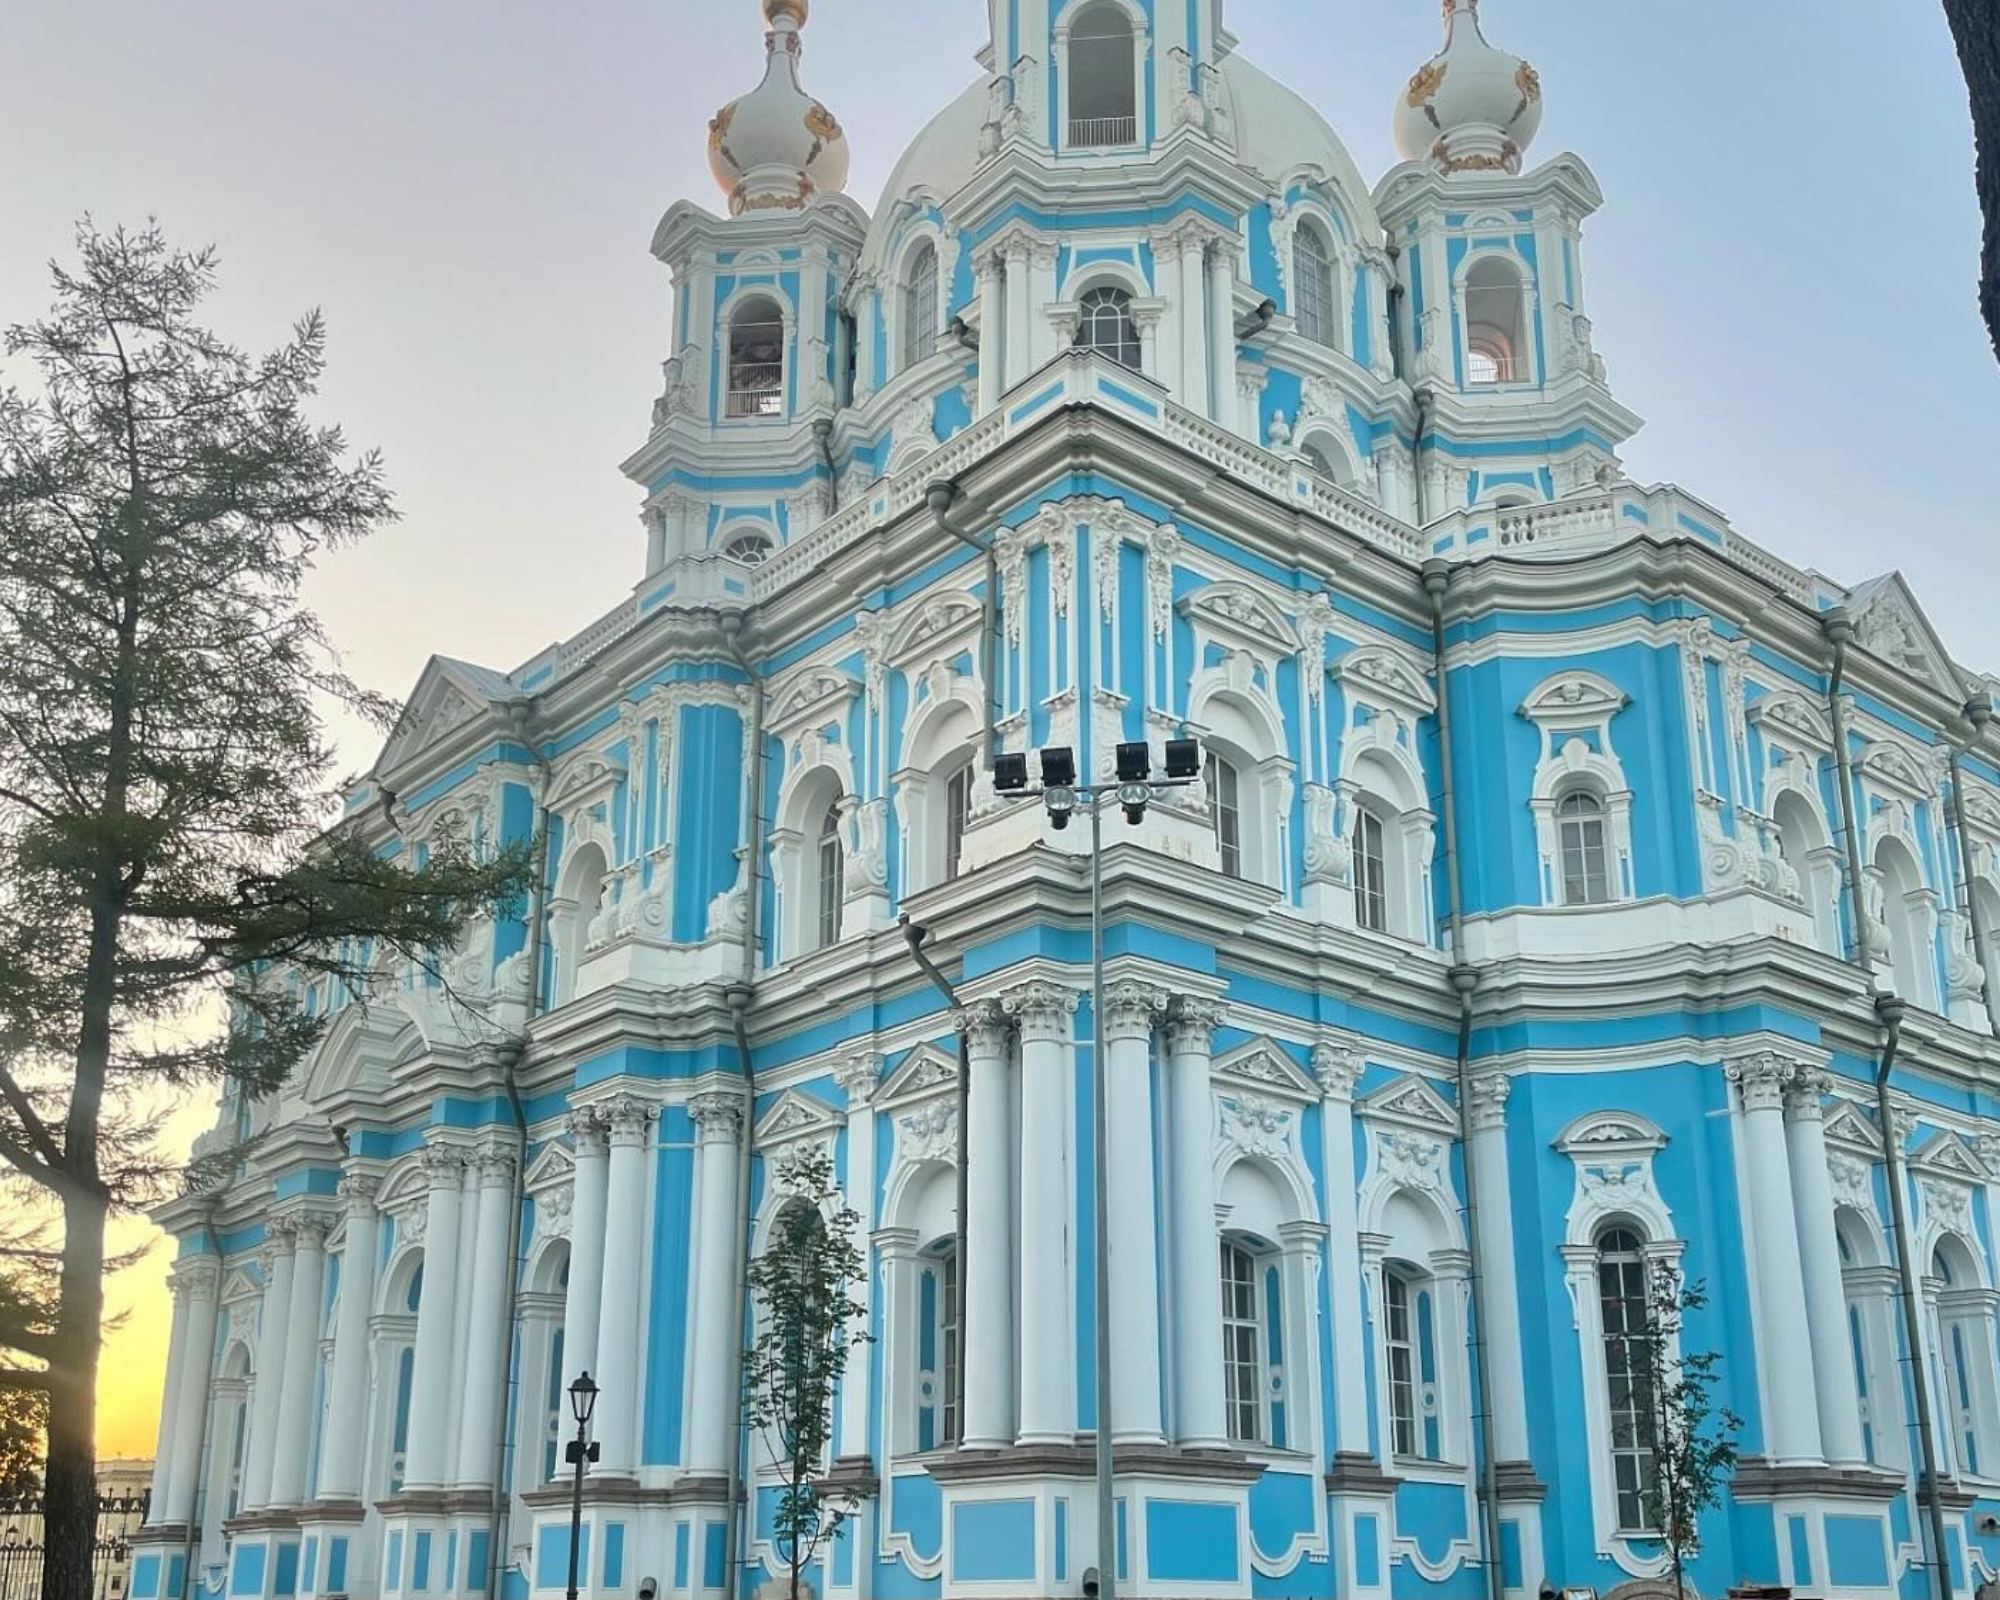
1890, 625
449, 695
1847, 1126
1947, 1155
1414, 1103
1265, 1065
1238, 614
927, 1071
243, 1283
1893, 765
1384, 677
1791, 719
796, 1117
551, 1169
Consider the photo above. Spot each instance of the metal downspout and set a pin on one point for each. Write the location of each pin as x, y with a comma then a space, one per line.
738, 1000
823, 438
1417, 470
915, 937
1889, 1009
941, 496
1978, 712
1464, 979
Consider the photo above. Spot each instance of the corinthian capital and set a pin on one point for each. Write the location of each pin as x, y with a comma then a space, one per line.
587, 1131
1191, 1027
1131, 1008
1761, 1078
444, 1165
1338, 1068
859, 1076
195, 1278
358, 1189
1488, 1105
718, 1117
1044, 1010
985, 1028
626, 1118
1805, 1095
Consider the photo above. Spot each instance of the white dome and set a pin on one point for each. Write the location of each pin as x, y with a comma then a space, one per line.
1278, 131
777, 147
939, 162
1470, 108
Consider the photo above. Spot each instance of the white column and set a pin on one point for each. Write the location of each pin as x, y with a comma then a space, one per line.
989, 1256
1198, 1408
435, 1362
1041, 295
1339, 1070
461, 1306
859, 1077
270, 1374
1792, 1425
1019, 350
486, 1326
717, 1320
1160, 358
1222, 330
1126, 1034
1147, 321
992, 330
1835, 1388
616, 1423
1192, 242
1503, 1373
196, 1284
588, 1182
170, 1397
340, 1462
1044, 1012
295, 1401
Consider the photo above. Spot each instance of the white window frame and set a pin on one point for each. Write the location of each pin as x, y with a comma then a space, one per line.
917, 340
1225, 784
744, 302
1583, 824
1573, 712
1320, 324
1638, 1452
1235, 1326
1066, 125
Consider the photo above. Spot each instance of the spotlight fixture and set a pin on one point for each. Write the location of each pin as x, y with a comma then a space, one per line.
1135, 762
1183, 758
1060, 799
1133, 797
1058, 767
1010, 772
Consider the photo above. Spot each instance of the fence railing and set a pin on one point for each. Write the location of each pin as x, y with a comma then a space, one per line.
1098, 133
756, 391
23, 1546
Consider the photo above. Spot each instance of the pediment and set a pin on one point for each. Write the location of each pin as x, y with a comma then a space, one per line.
1383, 676
797, 1117
243, 1283
812, 696
1982, 808
1610, 1133
1237, 613
1575, 699
940, 622
1946, 1155
1890, 625
359, 1053
1791, 719
553, 1168
927, 1071
1412, 1102
448, 696
1847, 1126
1896, 766
1265, 1065
588, 780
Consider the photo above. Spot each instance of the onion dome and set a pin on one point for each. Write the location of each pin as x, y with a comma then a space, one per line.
1470, 108
777, 147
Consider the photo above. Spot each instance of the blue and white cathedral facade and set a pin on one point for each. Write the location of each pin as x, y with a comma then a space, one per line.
1572, 884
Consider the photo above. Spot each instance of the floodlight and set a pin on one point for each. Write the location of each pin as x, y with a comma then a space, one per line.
1010, 773
1183, 758
1058, 767
1135, 762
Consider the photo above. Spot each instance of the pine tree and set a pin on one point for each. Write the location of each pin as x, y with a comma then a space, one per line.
1693, 1441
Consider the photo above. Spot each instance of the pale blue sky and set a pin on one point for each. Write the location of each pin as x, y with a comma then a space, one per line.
1782, 276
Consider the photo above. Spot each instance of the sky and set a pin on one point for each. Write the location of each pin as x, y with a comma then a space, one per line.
1781, 280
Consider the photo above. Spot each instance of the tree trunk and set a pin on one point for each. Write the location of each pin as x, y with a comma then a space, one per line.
70, 1490
1975, 27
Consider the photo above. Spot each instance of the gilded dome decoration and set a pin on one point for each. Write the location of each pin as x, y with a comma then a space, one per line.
776, 147
1471, 108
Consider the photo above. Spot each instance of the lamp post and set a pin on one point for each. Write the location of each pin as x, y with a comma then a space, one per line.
579, 1452
1062, 796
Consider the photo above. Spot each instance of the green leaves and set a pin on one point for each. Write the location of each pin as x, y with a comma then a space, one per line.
1693, 1441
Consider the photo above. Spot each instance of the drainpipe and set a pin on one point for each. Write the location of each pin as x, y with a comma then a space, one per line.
1424, 399
1255, 321
1465, 979
915, 936
738, 1000
941, 497
1978, 712
823, 438
1890, 1009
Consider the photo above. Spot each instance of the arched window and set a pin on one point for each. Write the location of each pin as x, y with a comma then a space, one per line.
1101, 79
1225, 793
579, 901
1389, 831
830, 864
1870, 1288
398, 1349
1586, 871
957, 814
1902, 885
756, 360
1803, 844
1496, 324
920, 305
1962, 1338
1315, 307
1105, 324
1371, 872
752, 549
1409, 1339
938, 1347
1245, 1378
1627, 1323
1316, 459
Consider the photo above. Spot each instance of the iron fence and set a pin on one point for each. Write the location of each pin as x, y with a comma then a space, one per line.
22, 1546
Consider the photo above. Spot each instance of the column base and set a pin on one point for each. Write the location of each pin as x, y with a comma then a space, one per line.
160, 1561
436, 1542
336, 1555
1837, 1528
675, 1536
1516, 1483
264, 1548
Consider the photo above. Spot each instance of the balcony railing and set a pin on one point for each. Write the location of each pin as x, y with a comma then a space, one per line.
756, 392
1098, 133
1485, 367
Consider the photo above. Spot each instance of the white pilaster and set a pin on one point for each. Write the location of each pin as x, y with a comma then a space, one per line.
1504, 1375
270, 1371
717, 1317
618, 1370
196, 1284
340, 1463
1162, 359
588, 1181
1791, 1412
1041, 295
1198, 1407
989, 1210
859, 1078
1044, 1012
486, 1325
1222, 331
1835, 1389
170, 1395
1020, 293
992, 329
1192, 242
1339, 1070
1126, 1031
302, 1328
435, 1362
461, 1306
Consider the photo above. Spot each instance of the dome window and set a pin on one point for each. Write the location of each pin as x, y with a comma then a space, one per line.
920, 306
1314, 307
752, 549
1102, 79
1105, 324
756, 361
1496, 324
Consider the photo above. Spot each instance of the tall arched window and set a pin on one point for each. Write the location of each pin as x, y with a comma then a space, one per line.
938, 1296
1409, 1340
1496, 324
1803, 844
1102, 79
920, 306
957, 815
1105, 324
1627, 1322
1225, 793
830, 867
1244, 1375
756, 360
1962, 1333
1909, 937
1315, 308
1586, 871
1371, 872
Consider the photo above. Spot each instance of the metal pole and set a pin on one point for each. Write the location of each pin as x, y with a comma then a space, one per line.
579, 1452
1107, 1497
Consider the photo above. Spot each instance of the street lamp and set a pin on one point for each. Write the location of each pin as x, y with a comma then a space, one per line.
578, 1453
1133, 789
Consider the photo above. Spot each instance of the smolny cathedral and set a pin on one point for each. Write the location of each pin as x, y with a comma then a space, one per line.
1571, 884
